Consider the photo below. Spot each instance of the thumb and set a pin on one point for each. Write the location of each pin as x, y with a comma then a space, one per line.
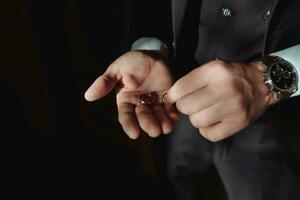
101, 87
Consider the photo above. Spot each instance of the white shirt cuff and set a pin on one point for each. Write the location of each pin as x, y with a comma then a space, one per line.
153, 44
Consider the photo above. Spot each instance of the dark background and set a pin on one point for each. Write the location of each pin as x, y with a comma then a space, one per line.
53, 140
55, 143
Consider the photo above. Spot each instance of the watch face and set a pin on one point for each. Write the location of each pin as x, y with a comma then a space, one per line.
283, 76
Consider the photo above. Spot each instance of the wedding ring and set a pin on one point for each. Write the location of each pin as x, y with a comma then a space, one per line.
164, 101
153, 98
148, 98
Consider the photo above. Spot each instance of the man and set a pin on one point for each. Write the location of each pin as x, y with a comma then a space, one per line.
245, 60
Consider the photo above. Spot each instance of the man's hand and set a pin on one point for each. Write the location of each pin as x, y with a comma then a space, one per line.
131, 74
222, 98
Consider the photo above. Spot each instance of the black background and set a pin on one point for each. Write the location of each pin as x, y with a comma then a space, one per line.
54, 143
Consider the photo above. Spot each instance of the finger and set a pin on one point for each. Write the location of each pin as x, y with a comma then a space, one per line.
222, 130
169, 109
104, 83
133, 97
130, 82
172, 113
187, 84
165, 123
211, 115
196, 101
147, 121
129, 97
128, 120
101, 87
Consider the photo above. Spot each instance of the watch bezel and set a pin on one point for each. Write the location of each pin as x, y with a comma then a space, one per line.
272, 85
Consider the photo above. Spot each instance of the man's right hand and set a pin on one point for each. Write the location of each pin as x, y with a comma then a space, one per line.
134, 73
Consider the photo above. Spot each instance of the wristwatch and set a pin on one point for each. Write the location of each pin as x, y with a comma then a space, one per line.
280, 76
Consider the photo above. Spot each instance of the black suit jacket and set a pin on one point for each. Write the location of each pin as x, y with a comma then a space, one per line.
283, 31
166, 20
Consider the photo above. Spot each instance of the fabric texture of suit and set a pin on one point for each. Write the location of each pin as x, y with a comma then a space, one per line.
262, 161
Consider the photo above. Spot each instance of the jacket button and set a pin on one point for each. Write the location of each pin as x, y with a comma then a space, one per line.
266, 16
227, 12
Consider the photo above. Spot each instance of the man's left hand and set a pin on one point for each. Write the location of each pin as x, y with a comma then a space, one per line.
221, 98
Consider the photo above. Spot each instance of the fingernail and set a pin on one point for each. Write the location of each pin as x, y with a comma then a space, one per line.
133, 136
88, 96
168, 131
165, 99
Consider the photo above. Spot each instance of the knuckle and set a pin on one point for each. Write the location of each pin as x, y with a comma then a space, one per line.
151, 131
149, 128
179, 105
219, 64
231, 82
229, 91
123, 116
239, 102
182, 106
139, 110
157, 109
194, 121
243, 119
221, 67
179, 88
203, 123
203, 132
198, 121
218, 138
212, 137
145, 125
